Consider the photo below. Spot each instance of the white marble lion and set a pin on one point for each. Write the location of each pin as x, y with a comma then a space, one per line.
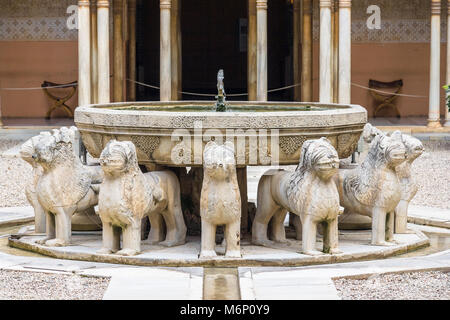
308, 192
127, 195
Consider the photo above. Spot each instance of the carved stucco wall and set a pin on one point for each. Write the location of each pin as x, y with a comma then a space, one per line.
35, 20
405, 21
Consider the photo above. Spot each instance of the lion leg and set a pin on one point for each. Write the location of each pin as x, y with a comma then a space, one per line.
379, 227
390, 226
50, 228
233, 240
110, 243
173, 216
297, 225
63, 220
330, 237
401, 217
265, 210
278, 232
131, 239
175, 236
309, 230
156, 234
208, 242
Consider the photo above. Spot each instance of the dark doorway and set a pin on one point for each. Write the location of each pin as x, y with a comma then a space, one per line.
214, 36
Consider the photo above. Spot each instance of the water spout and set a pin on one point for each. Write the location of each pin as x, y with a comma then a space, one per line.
221, 96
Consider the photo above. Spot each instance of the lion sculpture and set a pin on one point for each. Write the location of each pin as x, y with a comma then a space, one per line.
127, 195
220, 200
65, 186
373, 188
308, 192
409, 186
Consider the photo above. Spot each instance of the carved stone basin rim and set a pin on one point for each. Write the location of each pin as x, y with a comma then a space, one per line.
151, 127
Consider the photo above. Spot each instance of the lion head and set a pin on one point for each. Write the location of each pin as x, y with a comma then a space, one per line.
54, 147
320, 157
389, 150
414, 147
118, 157
218, 160
370, 132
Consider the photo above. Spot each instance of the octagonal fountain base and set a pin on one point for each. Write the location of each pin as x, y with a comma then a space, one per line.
355, 245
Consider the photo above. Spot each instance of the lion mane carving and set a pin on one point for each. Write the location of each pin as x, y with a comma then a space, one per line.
127, 195
373, 188
65, 185
308, 192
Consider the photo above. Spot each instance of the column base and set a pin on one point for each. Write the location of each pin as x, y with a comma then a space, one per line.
434, 124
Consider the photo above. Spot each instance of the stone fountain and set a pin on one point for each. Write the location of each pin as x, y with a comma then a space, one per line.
174, 134
182, 165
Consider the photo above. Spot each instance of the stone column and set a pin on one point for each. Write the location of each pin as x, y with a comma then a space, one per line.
118, 89
165, 51
325, 57
335, 50
435, 87
175, 40
261, 51
131, 86
345, 51
103, 51
251, 51
296, 48
447, 114
307, 51
84, 53
94, 53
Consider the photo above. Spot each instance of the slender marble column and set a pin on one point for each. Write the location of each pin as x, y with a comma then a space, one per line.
104, 94
131, 86
345, 51
307, 51
435, 88
261, 53
251, 51
335, 50
447, 114
165, 51
296, 48
84, 53
94, 53
118, 81
325, 62
174, 30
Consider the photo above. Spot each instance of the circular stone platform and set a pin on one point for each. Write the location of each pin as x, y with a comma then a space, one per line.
355, 246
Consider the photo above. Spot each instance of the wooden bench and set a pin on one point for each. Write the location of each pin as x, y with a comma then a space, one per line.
59, 102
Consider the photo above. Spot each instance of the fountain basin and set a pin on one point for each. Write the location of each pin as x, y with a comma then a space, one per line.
174, 133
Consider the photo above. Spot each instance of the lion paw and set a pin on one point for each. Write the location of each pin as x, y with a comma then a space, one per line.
313, 253
208, 254
42, 241
233, 254
172, 243
104, 251
264, 243
56, 243
127, 252
384, 243
336, 251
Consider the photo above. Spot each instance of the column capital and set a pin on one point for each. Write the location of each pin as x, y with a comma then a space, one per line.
102, 3
261, 4
346, 3
165, 4
325, 3
84, 3
435, 7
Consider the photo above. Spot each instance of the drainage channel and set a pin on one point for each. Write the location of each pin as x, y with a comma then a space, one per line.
221, 284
